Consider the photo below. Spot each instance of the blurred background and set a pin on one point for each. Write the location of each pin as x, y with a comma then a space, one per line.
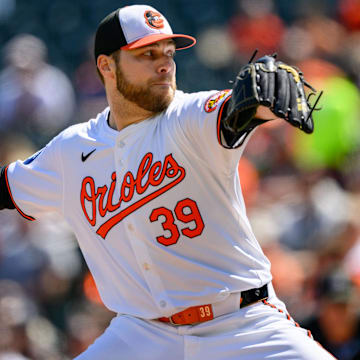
302, 192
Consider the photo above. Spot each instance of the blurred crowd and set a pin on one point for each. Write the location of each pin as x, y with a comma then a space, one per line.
302, 192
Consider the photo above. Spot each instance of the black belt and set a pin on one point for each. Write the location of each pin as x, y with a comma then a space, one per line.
251, 296
201, 313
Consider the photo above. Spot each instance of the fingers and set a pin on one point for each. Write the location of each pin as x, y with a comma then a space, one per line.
307, 121
299, 113
308, 125
290, 102
265, 79
280, 87
266, 88
282, 94
295, 107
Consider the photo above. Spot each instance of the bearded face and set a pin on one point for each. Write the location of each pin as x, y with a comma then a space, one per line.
150, 95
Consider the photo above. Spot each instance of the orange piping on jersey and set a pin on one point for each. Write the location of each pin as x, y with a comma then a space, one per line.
219, 118
28, 217
326, 350
295, 323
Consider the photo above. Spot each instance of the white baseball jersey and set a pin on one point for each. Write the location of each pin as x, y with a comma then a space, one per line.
157, 207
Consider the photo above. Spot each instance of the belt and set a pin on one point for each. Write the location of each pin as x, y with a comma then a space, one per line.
202, 313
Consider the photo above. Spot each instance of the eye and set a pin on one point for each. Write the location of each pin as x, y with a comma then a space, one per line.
148, 53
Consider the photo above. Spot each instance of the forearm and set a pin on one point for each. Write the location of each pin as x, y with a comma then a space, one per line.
5, 198
234, 133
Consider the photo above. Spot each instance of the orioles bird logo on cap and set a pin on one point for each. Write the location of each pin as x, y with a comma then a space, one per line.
154, 19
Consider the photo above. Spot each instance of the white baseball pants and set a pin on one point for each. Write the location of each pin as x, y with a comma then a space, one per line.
256, 332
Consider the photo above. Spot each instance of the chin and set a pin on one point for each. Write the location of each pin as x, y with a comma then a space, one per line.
164, 95
166, 90
170, 96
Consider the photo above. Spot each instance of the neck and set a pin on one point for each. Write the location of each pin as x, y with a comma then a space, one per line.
124, 113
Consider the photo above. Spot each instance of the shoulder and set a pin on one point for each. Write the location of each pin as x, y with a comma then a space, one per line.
89, 130
202, 101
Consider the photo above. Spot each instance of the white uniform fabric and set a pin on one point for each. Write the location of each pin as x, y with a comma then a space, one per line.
256, 332
135, 274
159, 216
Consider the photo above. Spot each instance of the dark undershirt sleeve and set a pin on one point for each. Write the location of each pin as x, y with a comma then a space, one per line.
5, 198
235, 139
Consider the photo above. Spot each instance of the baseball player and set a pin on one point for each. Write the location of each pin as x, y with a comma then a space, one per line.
151, 189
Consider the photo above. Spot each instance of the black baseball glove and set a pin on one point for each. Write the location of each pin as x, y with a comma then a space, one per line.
273, 84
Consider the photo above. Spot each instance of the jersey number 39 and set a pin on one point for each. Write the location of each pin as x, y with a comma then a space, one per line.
185, 211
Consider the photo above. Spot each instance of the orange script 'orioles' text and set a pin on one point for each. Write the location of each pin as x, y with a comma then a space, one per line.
148, 173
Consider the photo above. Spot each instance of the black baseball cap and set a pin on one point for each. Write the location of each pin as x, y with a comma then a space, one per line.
135, 26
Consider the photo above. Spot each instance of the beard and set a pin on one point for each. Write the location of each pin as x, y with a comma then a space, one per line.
143, 95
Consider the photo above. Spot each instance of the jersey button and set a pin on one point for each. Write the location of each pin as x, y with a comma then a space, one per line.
162, 303
130, 227
121, 144
146, 266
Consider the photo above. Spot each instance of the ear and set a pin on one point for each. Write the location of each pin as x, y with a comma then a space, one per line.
106, 66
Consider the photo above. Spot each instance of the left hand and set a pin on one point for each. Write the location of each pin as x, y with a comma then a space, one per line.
264, 113
280, 87
275, 85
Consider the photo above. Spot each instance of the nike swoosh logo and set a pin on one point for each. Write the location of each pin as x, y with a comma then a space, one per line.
85, 157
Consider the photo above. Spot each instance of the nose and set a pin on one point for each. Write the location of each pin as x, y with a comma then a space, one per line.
166, 65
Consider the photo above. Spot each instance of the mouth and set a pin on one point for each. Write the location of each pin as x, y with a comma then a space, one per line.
162, 84
162, 87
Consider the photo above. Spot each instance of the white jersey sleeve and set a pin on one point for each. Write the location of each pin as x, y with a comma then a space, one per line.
36, 184
199, 118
